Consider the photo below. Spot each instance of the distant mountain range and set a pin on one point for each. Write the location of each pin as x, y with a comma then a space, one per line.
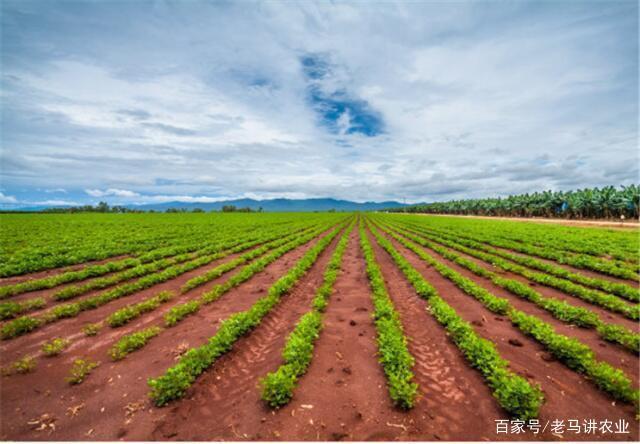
294, 205
268, 205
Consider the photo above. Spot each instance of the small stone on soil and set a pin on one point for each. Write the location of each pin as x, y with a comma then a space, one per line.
515, 342
352, 322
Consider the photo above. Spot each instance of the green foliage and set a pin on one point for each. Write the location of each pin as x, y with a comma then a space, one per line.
393, 354
80, 369
19, 327
12, 309
177, 379
130, 312
91, 329
607, 202
561, 310
55, 346
278, 386
570, 351
26, 364
177, 313
514, 393
132, 342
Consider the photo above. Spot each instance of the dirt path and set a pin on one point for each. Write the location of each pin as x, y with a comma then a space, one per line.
568, 395
115, 388
626, 225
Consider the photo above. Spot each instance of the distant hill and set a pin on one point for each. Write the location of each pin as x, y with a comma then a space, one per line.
294, 205
268, 205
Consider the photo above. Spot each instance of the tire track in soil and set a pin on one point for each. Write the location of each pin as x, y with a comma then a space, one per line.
229, 390
453, 395
605, 351
568, 395
113, 385
344, 384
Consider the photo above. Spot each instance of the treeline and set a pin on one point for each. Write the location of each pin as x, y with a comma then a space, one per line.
103, 207
589, 203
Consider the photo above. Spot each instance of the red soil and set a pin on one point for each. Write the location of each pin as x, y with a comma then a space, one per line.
343, 396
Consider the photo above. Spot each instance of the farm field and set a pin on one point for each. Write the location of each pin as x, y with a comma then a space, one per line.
316, 326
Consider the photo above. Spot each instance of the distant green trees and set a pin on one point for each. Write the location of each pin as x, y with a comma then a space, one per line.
590, 203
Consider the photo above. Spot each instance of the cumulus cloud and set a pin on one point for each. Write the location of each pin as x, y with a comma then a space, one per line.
4, 199
111, 192
416, 101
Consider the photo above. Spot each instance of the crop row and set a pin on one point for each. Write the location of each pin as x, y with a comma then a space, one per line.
570, 351
610, 302
228, 247
559, 309
12, 309
26, 324
92, 271
177, 379
179, 312
550, 252
513, 392
393, 354
278, 386
38, 243
620, 289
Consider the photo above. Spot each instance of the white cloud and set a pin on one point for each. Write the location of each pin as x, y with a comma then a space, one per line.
468, 95
111, 192
4, 199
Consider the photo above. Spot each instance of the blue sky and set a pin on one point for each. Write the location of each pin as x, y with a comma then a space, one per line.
142, 102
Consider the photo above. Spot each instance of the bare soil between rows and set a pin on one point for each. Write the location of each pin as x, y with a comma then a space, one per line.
343, 396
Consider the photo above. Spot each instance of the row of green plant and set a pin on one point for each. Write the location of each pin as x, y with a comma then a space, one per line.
11, 309
584, 261
223, 248
623, 290
92, 271
570, 351
605, 300
30, 244
55, 346
26, 364
26, 324
219, 271
513, 392
133, 311
559, 309
277, 387
179, 312
177, 379
132, 342
397, 362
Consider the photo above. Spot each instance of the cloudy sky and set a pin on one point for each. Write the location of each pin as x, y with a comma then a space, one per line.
138, 102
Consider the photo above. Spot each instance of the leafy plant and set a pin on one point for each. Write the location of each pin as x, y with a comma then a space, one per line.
133, 342
55, 346
91, 329
80, 369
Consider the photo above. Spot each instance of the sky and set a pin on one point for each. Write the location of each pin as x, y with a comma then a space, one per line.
136, 102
